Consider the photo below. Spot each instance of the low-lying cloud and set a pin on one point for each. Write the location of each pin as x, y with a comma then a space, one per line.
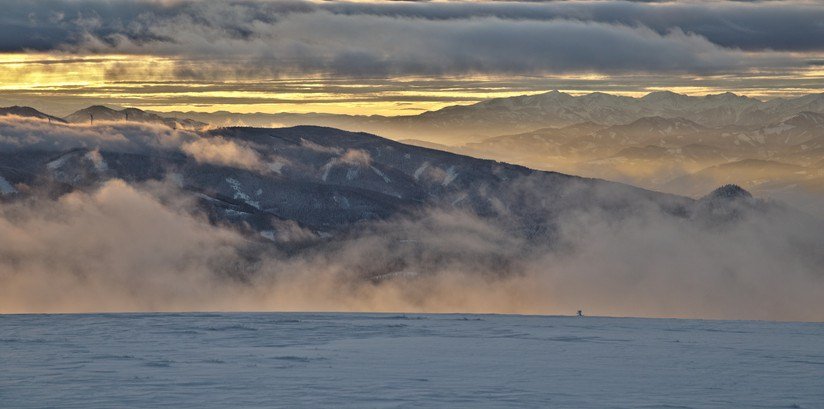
149, 246
224, 152
116, 248
122, 136
124, 248
32, 133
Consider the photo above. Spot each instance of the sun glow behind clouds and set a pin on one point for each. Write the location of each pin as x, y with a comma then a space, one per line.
160, 83
43, 70
154, 82
394, 58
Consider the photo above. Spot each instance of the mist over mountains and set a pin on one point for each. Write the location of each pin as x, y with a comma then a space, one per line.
127, 215
676, 155
102, 113
471, 123
28, 112
662, 141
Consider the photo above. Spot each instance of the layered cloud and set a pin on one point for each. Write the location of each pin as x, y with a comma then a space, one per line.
146, 247
18, 133
395, 57
384, 39
27, 133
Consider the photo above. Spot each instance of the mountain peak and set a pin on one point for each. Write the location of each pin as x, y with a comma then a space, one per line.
728, 96
554, 94
728, 192
601, 95
98, 108
663, 95
27, 112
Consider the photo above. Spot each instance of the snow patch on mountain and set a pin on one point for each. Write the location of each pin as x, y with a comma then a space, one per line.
419, 171
326, 168
342, 201
269, 235
381, 174
57, 163
451, 174
239, 194
6, 188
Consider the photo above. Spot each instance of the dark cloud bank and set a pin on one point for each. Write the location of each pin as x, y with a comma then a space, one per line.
380, 39
146, 246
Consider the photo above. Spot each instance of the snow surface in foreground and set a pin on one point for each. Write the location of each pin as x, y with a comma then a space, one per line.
377, 361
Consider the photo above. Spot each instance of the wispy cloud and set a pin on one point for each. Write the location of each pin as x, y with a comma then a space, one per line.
224, 152
129, 247
378, 39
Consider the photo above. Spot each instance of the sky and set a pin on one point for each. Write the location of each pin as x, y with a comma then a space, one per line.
396, 58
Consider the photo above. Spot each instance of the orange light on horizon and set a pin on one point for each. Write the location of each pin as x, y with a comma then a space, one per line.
156, 82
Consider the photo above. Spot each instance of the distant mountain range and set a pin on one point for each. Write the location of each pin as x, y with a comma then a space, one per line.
471, 123
103, 113
461, 124
796, 138
656, 141
662, 153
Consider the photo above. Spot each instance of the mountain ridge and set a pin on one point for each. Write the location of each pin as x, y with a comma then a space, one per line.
28, 112
457, 124
104, 113
348, 177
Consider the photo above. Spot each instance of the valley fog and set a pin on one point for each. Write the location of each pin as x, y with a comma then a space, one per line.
150, 245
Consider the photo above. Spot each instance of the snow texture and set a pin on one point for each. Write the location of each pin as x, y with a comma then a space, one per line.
238, 189
213, 360
5, 187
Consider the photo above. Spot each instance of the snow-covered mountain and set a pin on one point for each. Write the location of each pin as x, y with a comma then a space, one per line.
471, 123
792, 135
327, 180
556, 109
360, 209
589, 140
649, 151
678, 155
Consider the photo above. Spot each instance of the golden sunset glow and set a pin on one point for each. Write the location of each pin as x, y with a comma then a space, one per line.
155, 82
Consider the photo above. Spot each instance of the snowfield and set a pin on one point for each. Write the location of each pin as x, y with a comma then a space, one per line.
392, 361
